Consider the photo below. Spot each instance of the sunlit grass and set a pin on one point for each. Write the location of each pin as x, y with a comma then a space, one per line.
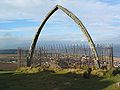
65, 79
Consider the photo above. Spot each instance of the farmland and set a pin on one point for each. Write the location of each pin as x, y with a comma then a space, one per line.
8, 61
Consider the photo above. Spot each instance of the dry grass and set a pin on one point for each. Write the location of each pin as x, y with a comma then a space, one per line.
8, 66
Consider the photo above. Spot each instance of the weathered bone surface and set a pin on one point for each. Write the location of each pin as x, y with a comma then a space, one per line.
78, 22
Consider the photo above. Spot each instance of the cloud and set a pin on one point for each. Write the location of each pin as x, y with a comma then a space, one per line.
19, 29
17, 37
11, 24
12, 9
101, 18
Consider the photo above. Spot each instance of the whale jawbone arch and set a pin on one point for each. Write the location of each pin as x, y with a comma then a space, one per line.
78, 22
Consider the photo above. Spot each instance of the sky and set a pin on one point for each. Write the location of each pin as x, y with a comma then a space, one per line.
20, 19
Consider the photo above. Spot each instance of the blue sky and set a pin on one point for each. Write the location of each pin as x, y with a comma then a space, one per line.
20, 19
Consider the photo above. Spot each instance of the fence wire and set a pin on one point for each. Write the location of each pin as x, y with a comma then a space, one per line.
67, 55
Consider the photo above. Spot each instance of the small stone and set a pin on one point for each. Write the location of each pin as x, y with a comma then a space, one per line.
55, 89
75, 79
118, 84
67, 83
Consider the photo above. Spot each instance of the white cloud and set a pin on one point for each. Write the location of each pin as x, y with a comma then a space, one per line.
90, 11
20, 29
13, 9
97, 16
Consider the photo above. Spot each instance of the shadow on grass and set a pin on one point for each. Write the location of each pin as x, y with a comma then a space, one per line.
48, 80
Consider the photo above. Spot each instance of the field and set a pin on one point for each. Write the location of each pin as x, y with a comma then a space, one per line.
8, 66
8, 56
49, 80
8, 61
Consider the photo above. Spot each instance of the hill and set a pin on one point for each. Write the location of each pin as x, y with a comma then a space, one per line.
62, 80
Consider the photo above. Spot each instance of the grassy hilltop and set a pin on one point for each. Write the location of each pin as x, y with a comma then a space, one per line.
70, 79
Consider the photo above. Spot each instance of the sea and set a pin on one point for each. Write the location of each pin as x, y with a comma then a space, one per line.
116, 51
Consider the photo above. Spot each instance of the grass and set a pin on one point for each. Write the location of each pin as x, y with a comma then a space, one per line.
61, 80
